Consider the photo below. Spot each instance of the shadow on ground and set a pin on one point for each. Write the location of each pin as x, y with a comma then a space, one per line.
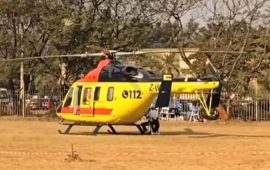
194, 134
187, 132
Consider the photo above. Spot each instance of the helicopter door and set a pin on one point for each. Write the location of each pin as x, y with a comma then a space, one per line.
77, 100
96, 98
86, 106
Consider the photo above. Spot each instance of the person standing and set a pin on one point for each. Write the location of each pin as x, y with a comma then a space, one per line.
154, 121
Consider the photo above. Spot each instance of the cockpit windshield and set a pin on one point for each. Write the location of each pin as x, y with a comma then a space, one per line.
68, 98
116, 71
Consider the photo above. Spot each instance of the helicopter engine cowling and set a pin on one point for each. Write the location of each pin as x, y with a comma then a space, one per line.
132, 72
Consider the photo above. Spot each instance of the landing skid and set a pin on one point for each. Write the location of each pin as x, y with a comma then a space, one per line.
141, 127
71, 124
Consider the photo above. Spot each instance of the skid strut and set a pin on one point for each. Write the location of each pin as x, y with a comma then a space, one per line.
95, 132
111, 129
140, 129
67, 129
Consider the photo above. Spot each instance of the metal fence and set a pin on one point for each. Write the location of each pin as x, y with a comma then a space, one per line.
252, 110
45, 105
34, 105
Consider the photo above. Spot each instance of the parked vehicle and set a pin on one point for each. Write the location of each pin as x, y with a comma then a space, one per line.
36, 104
4, 99
48, 103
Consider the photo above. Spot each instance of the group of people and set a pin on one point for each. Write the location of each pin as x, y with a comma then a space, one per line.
151, 126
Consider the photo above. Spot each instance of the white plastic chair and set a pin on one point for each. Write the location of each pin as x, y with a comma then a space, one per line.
164, 113
194, 112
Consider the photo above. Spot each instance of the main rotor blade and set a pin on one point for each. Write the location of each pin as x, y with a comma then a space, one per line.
55, 56
115, 53
180, 50
141, 52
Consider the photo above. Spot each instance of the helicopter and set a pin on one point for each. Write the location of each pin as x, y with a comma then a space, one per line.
115, 94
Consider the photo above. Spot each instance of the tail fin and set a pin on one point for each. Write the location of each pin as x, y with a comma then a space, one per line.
214, 98
164, 94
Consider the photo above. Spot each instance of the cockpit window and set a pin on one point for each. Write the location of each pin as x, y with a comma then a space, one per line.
68, 97
110, 93
87, 95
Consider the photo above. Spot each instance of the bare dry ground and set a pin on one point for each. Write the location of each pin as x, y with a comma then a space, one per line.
26, 144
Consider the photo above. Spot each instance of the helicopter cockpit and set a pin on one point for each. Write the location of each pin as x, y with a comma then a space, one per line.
116, 71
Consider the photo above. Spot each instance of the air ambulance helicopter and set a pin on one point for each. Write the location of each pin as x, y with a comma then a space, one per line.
117, 94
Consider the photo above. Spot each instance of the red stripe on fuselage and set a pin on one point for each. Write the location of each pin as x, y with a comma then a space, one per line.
96, 111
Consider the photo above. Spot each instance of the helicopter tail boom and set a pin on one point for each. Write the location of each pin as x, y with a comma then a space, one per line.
190, 87
177, 86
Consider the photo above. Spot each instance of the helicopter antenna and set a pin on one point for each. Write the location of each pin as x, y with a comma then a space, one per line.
109, 54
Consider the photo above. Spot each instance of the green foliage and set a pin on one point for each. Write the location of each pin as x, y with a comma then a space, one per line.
44, 27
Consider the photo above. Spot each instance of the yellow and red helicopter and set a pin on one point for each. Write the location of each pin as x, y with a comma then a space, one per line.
117, 94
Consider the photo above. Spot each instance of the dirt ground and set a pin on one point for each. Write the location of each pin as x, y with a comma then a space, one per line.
30, 144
